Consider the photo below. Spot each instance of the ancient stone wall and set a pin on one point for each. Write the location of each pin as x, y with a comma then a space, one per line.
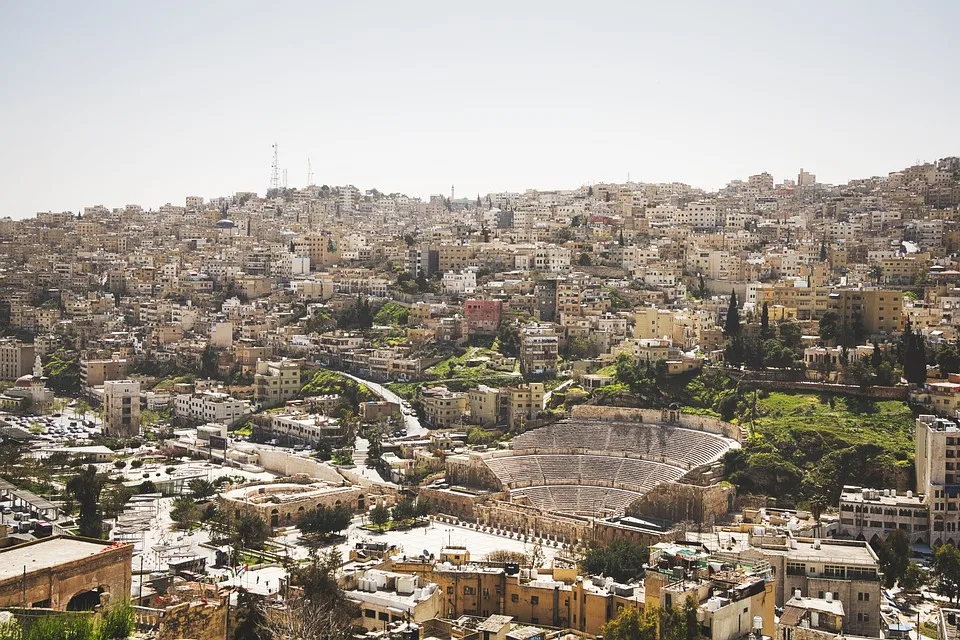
287, 464
472, 472
677, 502
518, 518
664, 416
194, 620
453, 503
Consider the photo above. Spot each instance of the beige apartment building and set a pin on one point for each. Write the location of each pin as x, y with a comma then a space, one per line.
16, 358
881, 310
275, 382
121, 408
442, 407
524, 403
847, 569
93, 373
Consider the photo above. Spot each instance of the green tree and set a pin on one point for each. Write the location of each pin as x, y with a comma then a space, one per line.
858, 372
894, 556
790, 335
422, 508
248, 531
404, 509
508, 339
201, 489
147, 486
885, 375
948, 360
623, 560
585, 260
185, 513
946, 568
731, 326
86, 488
876, 357
379, 516
830, 326
323, 520
632, 623
765, 322
82, 408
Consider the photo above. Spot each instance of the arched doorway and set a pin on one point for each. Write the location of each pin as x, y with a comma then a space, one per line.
360, 504
275, 518
85, 600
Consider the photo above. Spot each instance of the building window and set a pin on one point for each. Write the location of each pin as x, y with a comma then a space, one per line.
514, 597
534, 600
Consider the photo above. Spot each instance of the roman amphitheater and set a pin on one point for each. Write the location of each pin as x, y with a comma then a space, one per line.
601, 463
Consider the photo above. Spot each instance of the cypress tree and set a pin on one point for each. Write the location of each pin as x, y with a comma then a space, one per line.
764, 320
876, 359
731, 328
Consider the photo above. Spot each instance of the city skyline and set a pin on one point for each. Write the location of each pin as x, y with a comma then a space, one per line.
120, 104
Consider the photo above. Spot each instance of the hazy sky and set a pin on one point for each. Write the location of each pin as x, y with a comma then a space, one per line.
147, 102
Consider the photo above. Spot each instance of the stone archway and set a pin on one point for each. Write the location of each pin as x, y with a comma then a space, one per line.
275, 518
85, 600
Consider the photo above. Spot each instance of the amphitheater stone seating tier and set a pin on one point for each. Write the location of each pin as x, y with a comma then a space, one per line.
597, 468
688, 448
574, 500
633, 474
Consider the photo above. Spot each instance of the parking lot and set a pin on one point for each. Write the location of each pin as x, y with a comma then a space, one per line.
59, 427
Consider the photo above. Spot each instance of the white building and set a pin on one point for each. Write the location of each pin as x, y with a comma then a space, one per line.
460, 282
210, 406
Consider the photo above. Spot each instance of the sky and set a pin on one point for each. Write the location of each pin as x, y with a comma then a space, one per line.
149, 102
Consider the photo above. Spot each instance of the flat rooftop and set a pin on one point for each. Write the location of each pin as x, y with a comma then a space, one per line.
45, 554
831, 551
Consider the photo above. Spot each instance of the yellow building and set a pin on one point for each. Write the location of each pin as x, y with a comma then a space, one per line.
651, 322
524, 403
880, 310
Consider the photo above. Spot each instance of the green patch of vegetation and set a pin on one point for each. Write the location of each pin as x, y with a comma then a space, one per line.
326, 382
392, 313
245, 430
805, 447
609, 370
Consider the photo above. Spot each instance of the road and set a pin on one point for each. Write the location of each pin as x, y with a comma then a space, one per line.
410, 422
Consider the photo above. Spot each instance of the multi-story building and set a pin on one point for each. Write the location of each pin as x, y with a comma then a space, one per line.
276, 382
94, 373
121, 408
16, 358
384, 597
539, 350
299, 428
483, 316
847, 569
210, 406
880, 310
937, 442
523, 403
486, 405
442, 407
873, 514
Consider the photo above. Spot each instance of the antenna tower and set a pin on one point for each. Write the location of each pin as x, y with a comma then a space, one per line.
275, 170
284, 178
309, 173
